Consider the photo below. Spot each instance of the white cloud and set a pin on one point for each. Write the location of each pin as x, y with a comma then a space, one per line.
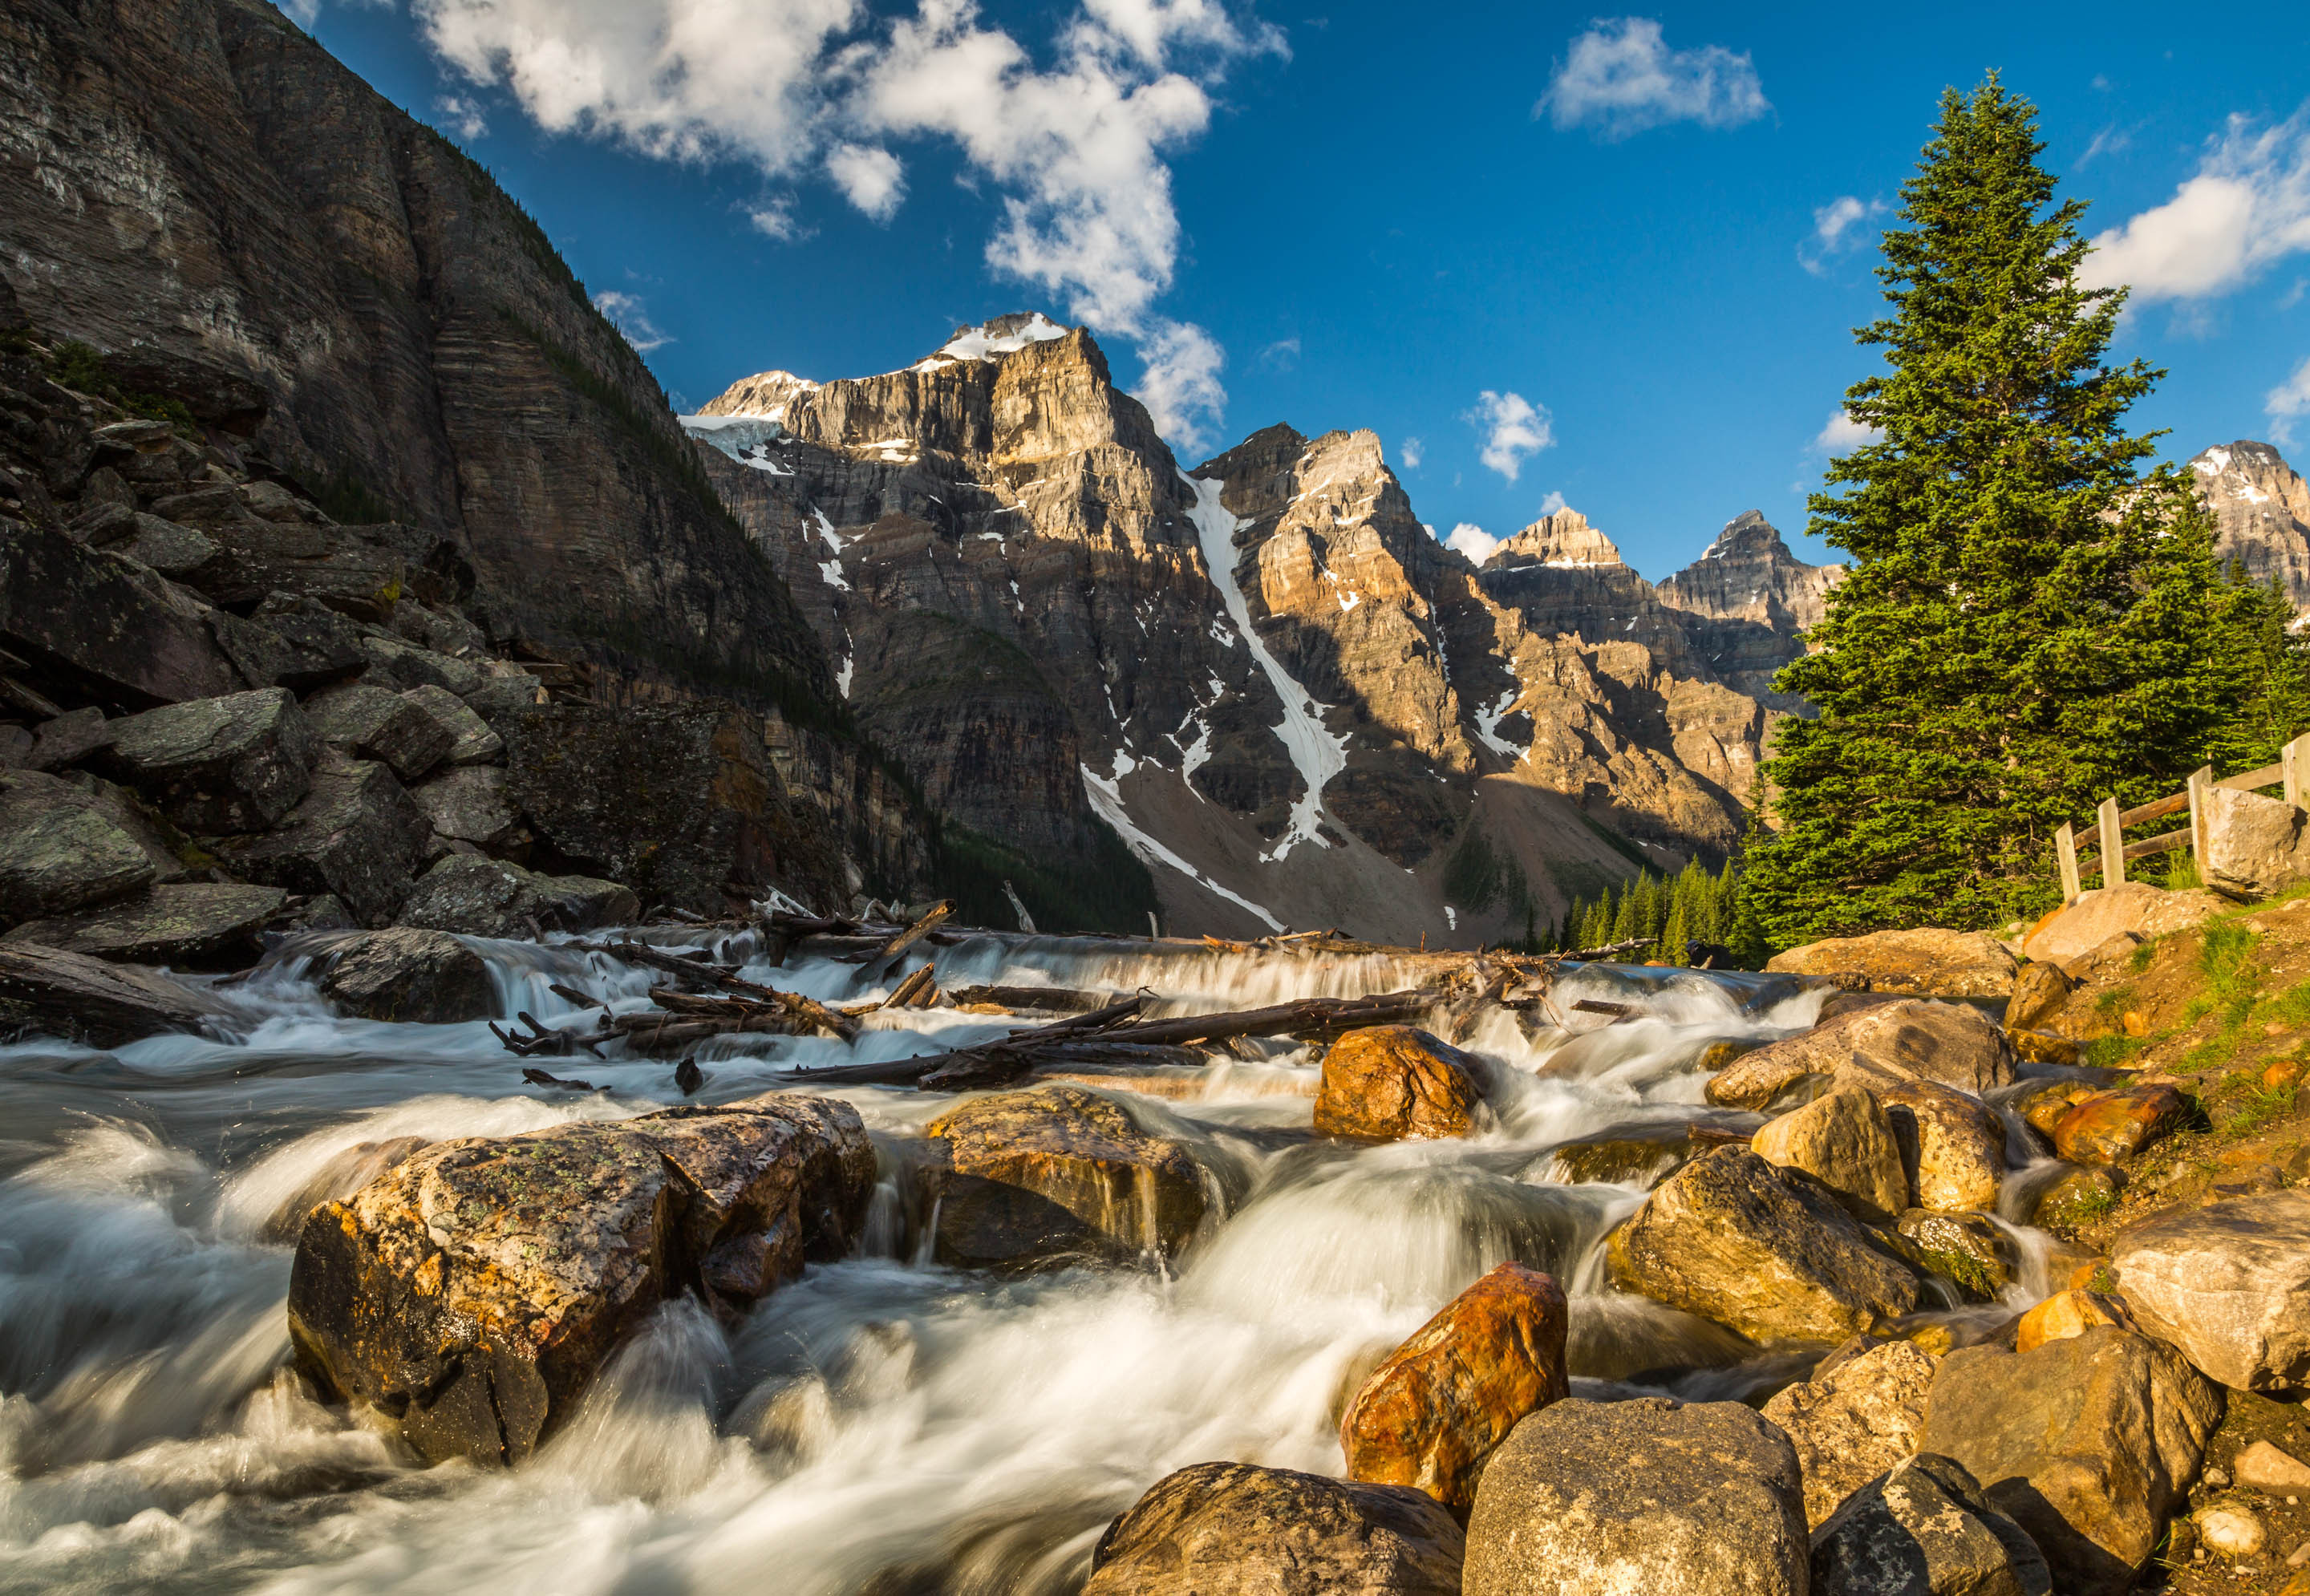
2289, 402
1552, 503
2112, 140
1844, 433
2247, 207
1079, 146
870, 179
461, 116
1412, 452
1281, 355
1180, 387
1514, 428
1622, 78
630, 317
775, 217
1835, 229
1472, 541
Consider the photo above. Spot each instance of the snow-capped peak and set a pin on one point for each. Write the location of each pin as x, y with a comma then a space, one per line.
1005, 335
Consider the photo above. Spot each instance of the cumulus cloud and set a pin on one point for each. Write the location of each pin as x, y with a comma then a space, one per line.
1412, 452
1552, 503
1472, 541
1180, 387
630, 317
775, 217
2247, 206
1844, 433
870, 179
2287, 403
1514, 429
1837, 228
1622, 78
1077, 143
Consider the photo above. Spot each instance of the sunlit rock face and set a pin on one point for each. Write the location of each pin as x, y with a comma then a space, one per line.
2262, 511
1264, 672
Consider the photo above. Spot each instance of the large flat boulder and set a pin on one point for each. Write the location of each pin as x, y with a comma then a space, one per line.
1842, 1140
2253, 846
2229, 1285
1853, 1422
1928, 962
1439, 1405
230, 764
469, 1297
1949, 1043
189, 925
2137, 907
59, 852
1924, 1528
1054, 1174
471, 740
1391, 1082
1646, 1496
357, 835
2088, 1442
413, 978
53, 993
1733, 1240
491, 897
1239, 1530
679, 803
124, 632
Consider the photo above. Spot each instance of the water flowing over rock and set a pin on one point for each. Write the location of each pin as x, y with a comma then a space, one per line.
1925, 1528
2088, 1442
2228, 1284
1730, 1238
1387, 1082
1237, 1530
1924, 963
1432, 1413
470, 1296
1027, 1179
1854, 1421
418, 978
1649, 1495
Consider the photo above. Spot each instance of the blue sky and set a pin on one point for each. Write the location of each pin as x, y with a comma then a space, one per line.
1539, 252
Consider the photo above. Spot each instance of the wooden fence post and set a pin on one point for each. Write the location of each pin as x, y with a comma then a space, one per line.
2201, 783
2294, 761
2065, 849
2113, 843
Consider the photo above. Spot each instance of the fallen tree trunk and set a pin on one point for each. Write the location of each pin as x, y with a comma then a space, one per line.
831, 1021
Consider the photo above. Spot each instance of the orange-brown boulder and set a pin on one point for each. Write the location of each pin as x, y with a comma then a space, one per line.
2068, 1313
2112, 1125
1431, 1414
1391, 1082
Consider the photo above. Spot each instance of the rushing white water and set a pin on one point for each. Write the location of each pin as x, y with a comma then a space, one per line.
881, 1424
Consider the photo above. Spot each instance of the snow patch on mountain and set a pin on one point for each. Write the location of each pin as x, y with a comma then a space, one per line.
1003, 336
1106, 800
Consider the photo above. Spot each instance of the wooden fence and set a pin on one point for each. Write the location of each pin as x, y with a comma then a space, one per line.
2108, 850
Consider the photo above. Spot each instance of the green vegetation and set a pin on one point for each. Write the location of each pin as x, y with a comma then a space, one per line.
77, 366
1694, 905
345, 496
1476, 876
2031, 623
1109, 892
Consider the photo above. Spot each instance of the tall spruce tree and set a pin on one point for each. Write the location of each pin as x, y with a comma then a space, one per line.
2028, 624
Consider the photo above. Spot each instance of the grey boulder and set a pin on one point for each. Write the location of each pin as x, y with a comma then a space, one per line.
414, 977
2229, 1285
491, 898
191, 926
375, 723
235, 763
357, 835
58, 852
1924, 1529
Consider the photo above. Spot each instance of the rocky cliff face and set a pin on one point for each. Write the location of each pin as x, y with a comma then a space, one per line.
198, 191
1296, 706
1746, 604
2262, 509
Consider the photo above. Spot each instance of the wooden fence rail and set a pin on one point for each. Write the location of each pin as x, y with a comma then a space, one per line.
2110, 852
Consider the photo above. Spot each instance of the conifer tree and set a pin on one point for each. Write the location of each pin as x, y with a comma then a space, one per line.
2026, 624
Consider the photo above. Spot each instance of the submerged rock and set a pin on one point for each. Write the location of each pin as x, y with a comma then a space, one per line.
1730, 1238
2088, 1442
1928, 962
1439, 1404
59, 852
1238, 1530
416, 978
191, 926
2228, 1284
236, 763
1646, 1496
1392, 1082
470, 1296
54, 993
1853, 1421
1055, 1173
1924, 1529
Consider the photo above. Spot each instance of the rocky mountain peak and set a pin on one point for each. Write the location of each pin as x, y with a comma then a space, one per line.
764, 395
1563, 540
992, 340
2262, 511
